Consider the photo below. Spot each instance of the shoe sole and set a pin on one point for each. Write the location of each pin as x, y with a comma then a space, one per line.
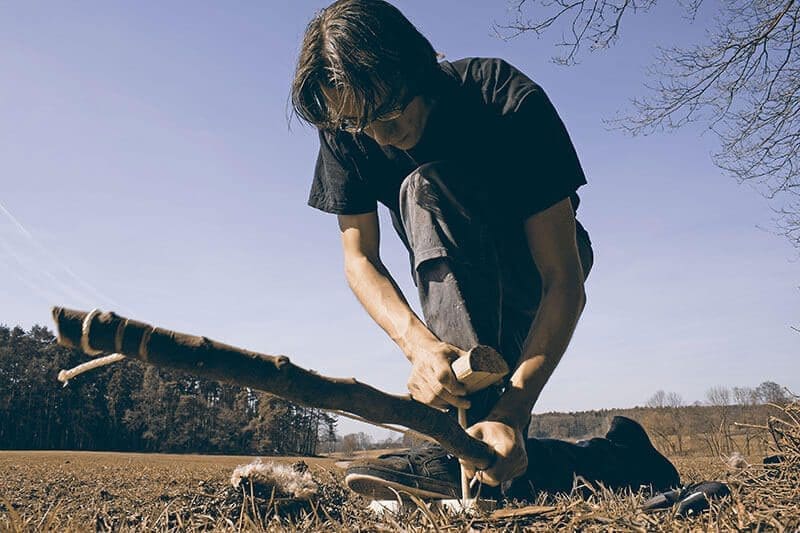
383, 489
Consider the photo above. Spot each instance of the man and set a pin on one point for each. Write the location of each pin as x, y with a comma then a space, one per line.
480, 177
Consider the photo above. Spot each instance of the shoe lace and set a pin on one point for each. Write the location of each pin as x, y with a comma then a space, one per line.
423, 454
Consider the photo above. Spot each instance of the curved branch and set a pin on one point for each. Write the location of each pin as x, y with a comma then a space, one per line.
276, 375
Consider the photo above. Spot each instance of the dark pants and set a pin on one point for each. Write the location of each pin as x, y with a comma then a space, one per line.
479, 285
475, 286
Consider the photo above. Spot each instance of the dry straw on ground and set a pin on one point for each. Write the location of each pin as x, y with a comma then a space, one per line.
198, 497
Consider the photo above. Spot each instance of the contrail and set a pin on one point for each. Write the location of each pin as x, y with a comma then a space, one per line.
16, 222
94, 293
30, 280
45, 294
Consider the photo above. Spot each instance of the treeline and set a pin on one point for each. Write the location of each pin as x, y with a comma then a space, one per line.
728, 420
130, 406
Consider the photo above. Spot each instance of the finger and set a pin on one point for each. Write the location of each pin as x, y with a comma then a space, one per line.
475, 431
521, 469
444, 395
438, 403
456, 352
430, 399
486, 477
455, 401
426, 396
447, 379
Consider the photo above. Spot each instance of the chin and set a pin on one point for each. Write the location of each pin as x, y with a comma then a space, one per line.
406, 143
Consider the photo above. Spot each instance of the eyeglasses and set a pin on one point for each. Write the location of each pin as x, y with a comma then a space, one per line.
352, 125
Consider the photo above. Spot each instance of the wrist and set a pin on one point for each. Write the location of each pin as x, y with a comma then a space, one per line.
416, 340
516, 403
517, 419
514, 406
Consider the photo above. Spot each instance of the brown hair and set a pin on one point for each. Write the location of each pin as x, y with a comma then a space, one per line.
368, 51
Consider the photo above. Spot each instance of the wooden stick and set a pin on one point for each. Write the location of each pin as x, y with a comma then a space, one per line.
203, 357
65, 375
466, 492
481, 367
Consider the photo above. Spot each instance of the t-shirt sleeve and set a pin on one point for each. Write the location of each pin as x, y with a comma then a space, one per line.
547, 168
539, 161
338, 186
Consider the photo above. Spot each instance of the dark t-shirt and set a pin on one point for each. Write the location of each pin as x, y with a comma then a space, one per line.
490, 119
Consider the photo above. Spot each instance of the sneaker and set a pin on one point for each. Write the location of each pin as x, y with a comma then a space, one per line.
425, 471
691, 499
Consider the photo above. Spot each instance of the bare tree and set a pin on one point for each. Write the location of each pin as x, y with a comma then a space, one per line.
744, 396
657, 400
674, 400
667, 421
719, 398
742, 81
771, 392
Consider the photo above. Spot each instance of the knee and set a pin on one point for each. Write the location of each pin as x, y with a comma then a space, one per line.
429, 189
423, 184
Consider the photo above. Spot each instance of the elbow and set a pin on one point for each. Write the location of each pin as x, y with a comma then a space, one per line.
582, 297
354, 268
569, 289
580, 291
577, 296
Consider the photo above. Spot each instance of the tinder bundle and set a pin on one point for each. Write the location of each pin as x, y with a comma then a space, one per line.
292, 481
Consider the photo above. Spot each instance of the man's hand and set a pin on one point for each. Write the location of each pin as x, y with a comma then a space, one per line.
508, 443
432, 381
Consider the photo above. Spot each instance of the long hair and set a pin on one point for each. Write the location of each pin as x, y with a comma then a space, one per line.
367, 51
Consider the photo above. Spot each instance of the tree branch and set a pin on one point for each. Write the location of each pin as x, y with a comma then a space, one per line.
597, 22
276, 375
742, 81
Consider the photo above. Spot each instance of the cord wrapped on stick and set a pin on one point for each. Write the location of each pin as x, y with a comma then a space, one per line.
98, 333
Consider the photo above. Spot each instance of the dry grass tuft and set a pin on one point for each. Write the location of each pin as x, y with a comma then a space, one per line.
78, 492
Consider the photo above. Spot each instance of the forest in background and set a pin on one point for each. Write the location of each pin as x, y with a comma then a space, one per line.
703, 428
130, 406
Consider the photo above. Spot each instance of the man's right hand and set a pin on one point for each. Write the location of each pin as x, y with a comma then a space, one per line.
432, 381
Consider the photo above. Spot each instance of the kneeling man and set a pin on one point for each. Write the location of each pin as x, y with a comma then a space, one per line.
481, 179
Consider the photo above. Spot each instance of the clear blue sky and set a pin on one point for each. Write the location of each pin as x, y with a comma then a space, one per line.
147, 168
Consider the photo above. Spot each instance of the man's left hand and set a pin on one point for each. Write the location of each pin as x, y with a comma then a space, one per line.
508, 443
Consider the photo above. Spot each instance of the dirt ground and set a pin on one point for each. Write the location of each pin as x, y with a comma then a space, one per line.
85, 491
120, 489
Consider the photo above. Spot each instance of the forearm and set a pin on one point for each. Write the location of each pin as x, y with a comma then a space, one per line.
547, 340
381, 297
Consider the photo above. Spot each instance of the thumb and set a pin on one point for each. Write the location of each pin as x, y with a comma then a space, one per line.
475, 431
455, 353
